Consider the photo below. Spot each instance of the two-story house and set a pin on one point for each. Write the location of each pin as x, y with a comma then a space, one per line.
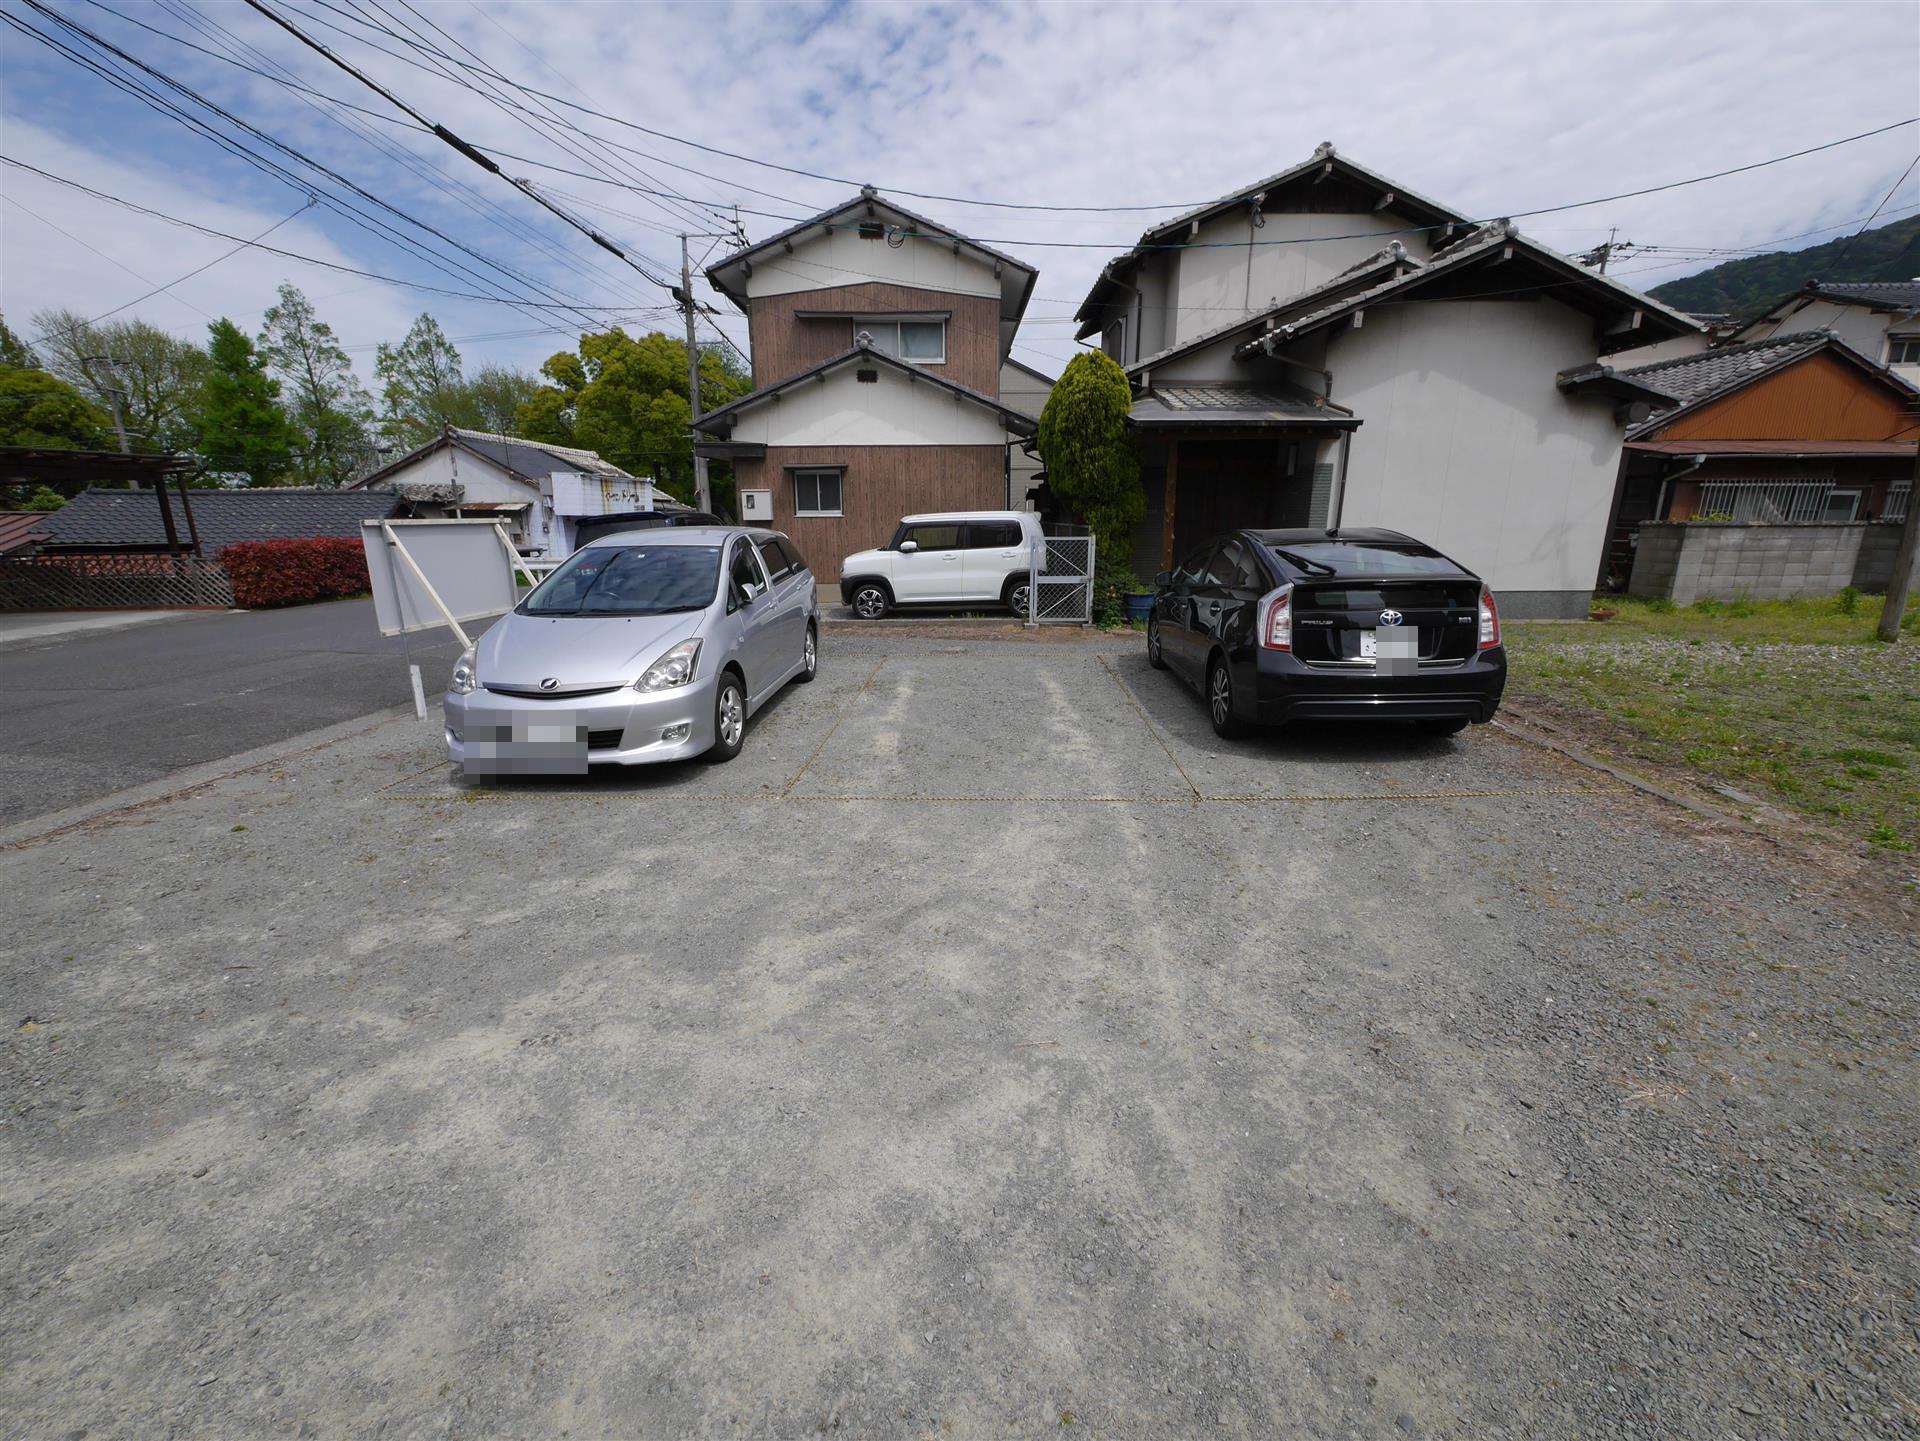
1327, 347
879, 339
1878, 318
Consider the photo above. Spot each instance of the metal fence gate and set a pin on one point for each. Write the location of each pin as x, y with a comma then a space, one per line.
1062, 581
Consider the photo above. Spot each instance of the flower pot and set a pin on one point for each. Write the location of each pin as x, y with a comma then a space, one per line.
1601, 613
1139, 605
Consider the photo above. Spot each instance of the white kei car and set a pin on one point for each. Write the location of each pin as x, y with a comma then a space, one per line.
969, 557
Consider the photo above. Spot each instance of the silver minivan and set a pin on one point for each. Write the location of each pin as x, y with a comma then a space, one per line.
642, 646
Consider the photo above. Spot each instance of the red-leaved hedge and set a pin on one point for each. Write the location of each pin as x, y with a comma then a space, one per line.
293, 572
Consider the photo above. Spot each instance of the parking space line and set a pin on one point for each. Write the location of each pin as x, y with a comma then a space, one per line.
851, 702
910, 798
1139, 711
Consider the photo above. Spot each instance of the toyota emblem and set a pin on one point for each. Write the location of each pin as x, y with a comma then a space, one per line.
1391, 617
552, 682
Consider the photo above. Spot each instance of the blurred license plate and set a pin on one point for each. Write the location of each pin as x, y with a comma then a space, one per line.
527, 748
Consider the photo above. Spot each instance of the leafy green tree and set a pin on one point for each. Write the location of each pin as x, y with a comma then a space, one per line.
242, 428
627, 399
160, 374
14, 351
1091, 461
41, 409
1750, 286
327, 405
43, 499
490, 398
421, 384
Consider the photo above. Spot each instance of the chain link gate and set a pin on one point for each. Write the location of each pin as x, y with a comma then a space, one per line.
1061, 583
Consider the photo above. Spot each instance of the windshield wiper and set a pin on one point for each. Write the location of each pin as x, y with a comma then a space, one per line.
1293, 557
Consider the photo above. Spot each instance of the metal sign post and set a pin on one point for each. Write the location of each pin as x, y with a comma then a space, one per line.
429, 573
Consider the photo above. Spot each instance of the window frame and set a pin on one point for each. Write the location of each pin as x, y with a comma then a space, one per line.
907, 530
774, 577
839, 474
872, 323
745, 544
1894, 345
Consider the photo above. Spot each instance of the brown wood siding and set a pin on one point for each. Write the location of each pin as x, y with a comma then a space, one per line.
1817, 398
882, 483
784, 344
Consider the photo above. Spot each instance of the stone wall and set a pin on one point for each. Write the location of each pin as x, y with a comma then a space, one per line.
1685, 561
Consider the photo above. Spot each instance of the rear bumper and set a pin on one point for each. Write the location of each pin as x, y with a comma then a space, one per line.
631, 725
1287, 689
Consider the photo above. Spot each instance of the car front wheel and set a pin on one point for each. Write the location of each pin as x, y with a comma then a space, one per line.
870, 602
729, 718
1154, 656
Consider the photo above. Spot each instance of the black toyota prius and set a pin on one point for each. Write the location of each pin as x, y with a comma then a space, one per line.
1278, 625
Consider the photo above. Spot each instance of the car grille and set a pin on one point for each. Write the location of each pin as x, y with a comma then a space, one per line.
523, 693
605, 740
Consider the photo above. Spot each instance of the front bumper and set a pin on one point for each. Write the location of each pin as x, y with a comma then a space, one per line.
1286, 688
626, 727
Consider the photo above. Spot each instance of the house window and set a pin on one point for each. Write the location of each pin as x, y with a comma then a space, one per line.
1903, 350
922, 341
816, 492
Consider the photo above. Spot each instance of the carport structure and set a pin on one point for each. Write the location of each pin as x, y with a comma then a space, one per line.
1222, 457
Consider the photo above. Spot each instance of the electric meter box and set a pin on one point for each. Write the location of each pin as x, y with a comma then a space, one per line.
756, 505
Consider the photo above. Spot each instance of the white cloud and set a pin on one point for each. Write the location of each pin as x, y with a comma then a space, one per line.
1495, 109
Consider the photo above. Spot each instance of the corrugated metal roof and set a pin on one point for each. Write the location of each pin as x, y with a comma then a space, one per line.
20, 528
1235, 405
112, 519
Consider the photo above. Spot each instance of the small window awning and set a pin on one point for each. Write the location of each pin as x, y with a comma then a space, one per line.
494, 507
1237, 407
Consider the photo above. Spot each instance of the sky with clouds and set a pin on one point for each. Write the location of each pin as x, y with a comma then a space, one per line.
1496, 110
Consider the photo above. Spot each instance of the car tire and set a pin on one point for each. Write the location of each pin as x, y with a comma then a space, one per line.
810, 660
1439, 727
729, 718
870, 600
1220, 701
1017, 596
1154, 656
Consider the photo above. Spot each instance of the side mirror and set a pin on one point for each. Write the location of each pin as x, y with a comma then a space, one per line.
1162, 579
908, 547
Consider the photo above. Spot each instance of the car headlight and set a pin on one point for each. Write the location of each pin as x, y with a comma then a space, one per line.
463, 680
672, 669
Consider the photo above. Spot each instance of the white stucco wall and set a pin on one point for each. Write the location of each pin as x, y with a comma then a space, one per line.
1222, 276
1468, 444
1022, 392
892, 411
1664, 350
841, 257
482, 482
1855, 324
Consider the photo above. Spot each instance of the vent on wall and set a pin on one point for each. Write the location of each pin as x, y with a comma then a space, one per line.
867, 377
1321, 496
872, 230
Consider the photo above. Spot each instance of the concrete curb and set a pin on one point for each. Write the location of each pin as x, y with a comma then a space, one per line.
180, 783
1533, 733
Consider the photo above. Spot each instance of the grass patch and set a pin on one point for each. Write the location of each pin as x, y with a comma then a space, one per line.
1793, 701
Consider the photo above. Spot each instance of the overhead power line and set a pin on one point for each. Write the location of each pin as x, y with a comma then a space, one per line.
306, 259
456, 142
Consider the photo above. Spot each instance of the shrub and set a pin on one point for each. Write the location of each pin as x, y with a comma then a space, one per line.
1847, 602
1113, 582
294, 572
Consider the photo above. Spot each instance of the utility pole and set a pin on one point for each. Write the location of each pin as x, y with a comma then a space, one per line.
116, 397
1606, 251
1900, 583
702, 495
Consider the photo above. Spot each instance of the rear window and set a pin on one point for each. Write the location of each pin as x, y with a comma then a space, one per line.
1368, 558
1403, 597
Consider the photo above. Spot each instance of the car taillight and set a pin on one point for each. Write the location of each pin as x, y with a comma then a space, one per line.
1276, 620
1489, 620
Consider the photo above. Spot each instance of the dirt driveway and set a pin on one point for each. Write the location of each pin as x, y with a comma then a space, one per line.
989, 1051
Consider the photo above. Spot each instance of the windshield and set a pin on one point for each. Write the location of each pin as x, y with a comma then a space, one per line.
1365, 557
629, 580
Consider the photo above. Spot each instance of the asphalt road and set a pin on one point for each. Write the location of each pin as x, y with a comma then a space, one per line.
86, 715
990, 1050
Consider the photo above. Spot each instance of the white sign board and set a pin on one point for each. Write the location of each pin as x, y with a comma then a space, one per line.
463, 562
756, 505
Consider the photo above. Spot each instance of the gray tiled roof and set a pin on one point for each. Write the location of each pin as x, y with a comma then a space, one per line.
1234, 405
720, 420
1707, 372
114, 518
1881, 294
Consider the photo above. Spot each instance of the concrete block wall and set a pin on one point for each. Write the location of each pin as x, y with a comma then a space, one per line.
1686, 561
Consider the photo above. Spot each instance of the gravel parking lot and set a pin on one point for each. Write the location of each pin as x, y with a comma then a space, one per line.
988, 1051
